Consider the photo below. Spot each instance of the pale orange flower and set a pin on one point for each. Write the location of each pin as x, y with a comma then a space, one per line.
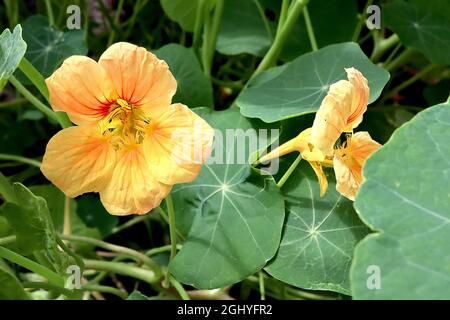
341, 110
302, 143
127, 145
349, 161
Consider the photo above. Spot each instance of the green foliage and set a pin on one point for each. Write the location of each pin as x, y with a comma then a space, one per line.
11, 288
414, 214
12, 49
301, 85
236, 214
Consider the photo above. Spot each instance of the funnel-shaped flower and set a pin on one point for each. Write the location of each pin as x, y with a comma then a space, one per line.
341, 110
302, 143
131, 144
349, 160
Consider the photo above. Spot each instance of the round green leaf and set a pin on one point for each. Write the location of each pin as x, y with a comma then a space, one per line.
300, 86
194, 89
236, 214
10, 287
48, 47
12, 49
319, 235
406, 196
421, 27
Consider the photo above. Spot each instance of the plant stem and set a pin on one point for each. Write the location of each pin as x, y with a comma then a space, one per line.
198, 26
7, 240
51, 276
401, 59
264, 18
154, 251
310, 29
34, 76
6, 190
67, 227
289, 171
179, 287
119, 249
411, 80
172, 227
130, 223
383, 45
262, 290
280, 38
35, 101
105, 289
145, 275
362, 19
20, 159
12, 103
49, 8
283, 14
116, 22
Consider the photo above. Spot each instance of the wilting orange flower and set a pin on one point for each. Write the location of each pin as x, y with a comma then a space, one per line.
131, 144
341, 110
302, 143
349, 160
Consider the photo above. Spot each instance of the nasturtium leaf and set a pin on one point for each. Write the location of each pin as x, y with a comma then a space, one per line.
406, 197
334, 21
253, 35
184, 12
47, 46
236, 213
193, 88
137, 295
302, 84
10, 286
319, 235
421, 27
30, 218
12, 50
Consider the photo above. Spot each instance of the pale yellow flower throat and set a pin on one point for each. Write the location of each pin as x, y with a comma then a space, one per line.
124, 123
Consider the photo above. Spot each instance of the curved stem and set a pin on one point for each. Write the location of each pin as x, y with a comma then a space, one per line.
262, 290
51, 276
382, 46
49, 8
283, 14
310, 30
130, 223
105, 289
179, 287
264, 18
20, 159
401, 59
172, 227
145, 275
198, 26
119, 249
289, 171
7, 240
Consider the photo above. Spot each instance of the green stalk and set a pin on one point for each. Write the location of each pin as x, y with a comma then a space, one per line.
130, 223
49, 8
145, 275
289, 171
6, 190
310, 29
35, 77
12, 103
172, 227
382, 46
200, 14
272, 55
262, 290
401, 59
116, 248
20, 159
362, 19
105, 289
179, 287
7, 240
51, 276
283, 14
215, 28
264, 18
116, 22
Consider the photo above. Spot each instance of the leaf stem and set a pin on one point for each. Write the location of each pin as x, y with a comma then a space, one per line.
51, 17
200, 14
51, 276
262, 289
383, 45
35, 77
401, 59
289, 171
99, 288
264, 18
362, 18
116, 22
130, 223
7, 240
172, 227
20, 159
180, 289
310, 29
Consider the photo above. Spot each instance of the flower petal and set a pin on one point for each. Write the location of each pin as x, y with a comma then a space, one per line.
176, 145
78, 160
360, 98
132, 188
139, 76
82, 88
348, 163
331, 118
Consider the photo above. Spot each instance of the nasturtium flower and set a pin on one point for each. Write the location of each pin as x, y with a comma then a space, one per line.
349, 160
340, 111
130, 143
315, 157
